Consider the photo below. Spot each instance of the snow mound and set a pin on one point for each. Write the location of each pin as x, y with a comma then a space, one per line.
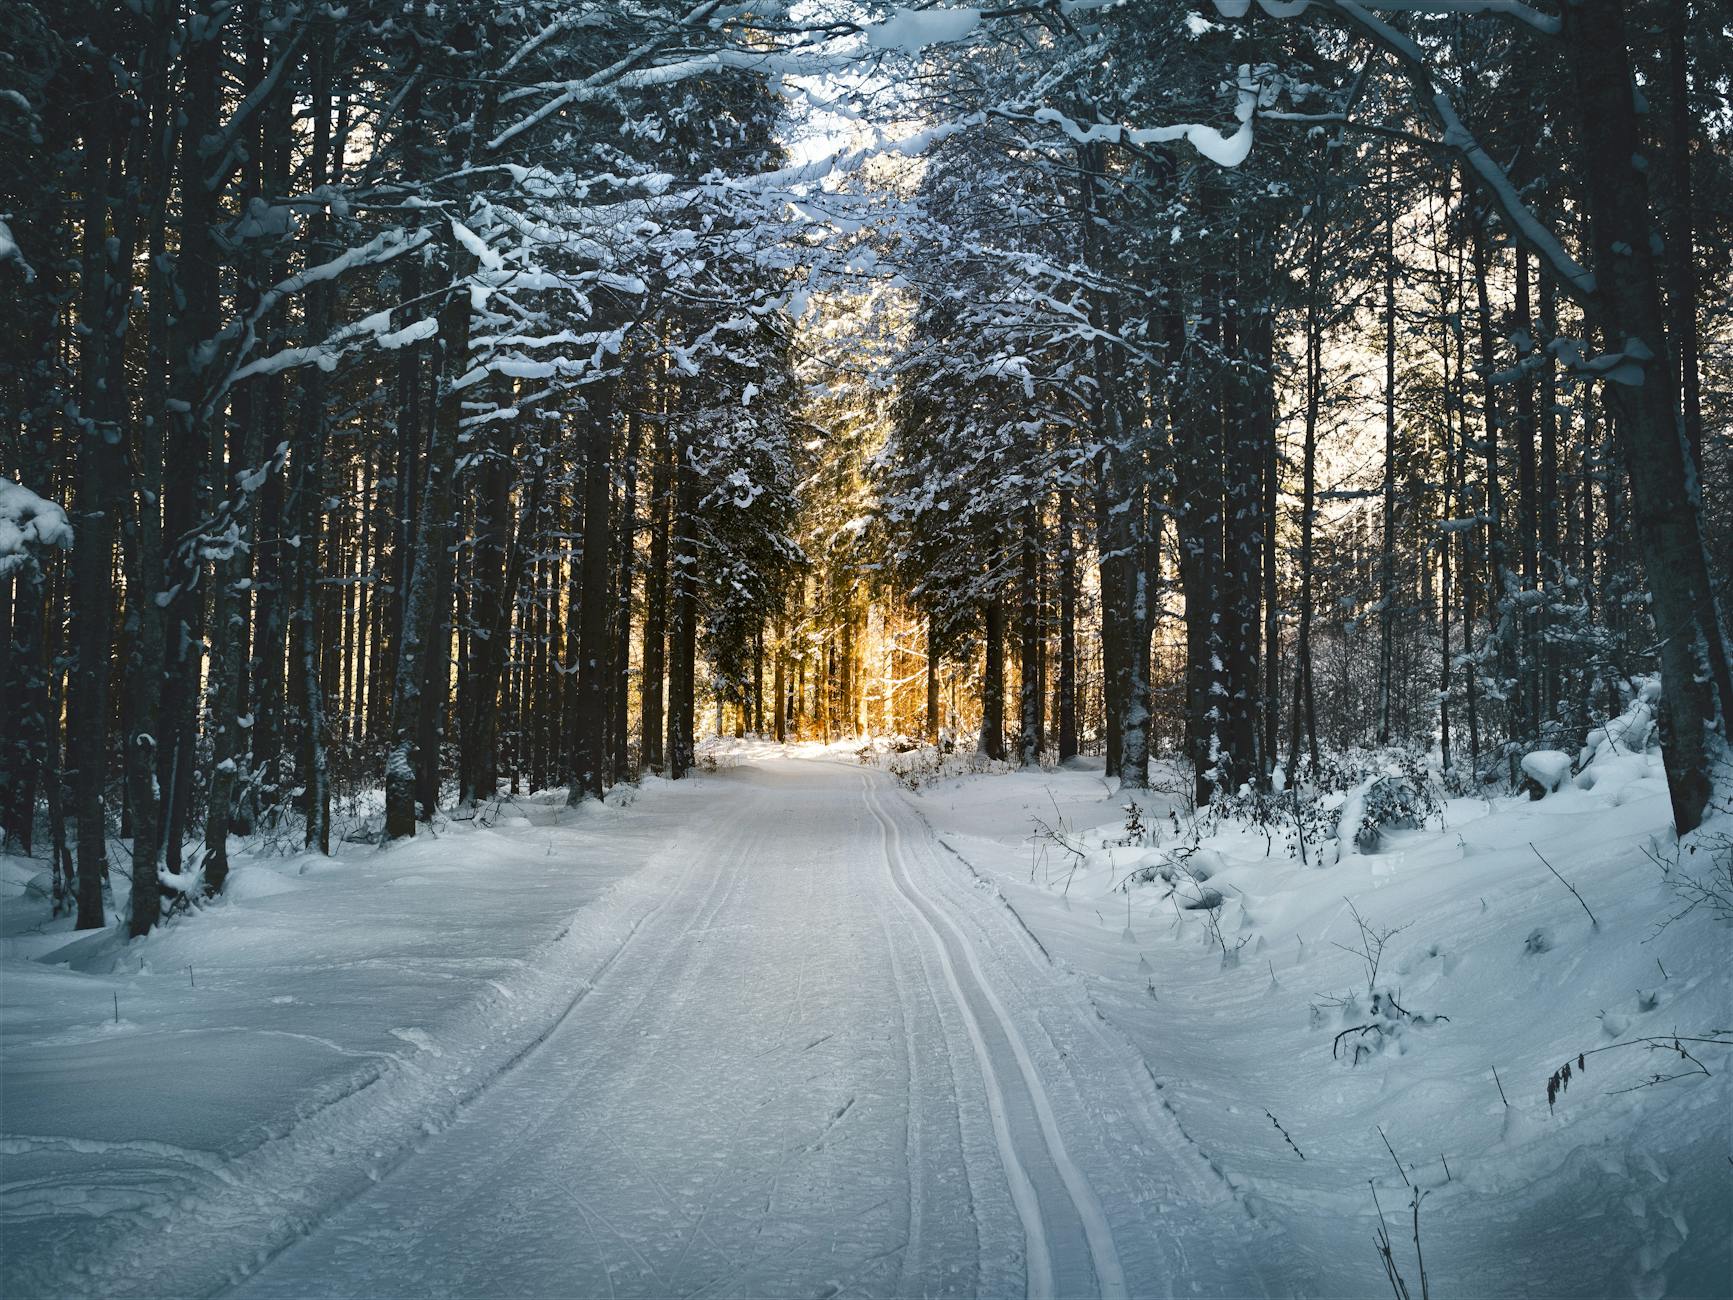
1547, 768
248, 883
1612, 778
1630, 732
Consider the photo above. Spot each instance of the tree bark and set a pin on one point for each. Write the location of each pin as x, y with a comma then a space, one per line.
172, 342
626, 568
421, 609
106, 283
309, 490
1067, 705
1387, 566
1029, 739
590, 744
780, 684
932, 681
1693, 651
1681, 250
683, 632
654, 667
1303, 715
992, 742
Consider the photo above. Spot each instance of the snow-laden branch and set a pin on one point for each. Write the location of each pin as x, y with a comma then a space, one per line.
1573, 277
1545, 24
1223, 150
27, 523
614, 76
222, 147
381, 248
907, 29
912, 30
10, 252
1227, 150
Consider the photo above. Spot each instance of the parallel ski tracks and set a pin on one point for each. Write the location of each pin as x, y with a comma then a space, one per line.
1030, 1153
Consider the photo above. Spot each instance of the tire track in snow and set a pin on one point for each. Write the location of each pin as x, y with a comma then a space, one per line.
1097, 1232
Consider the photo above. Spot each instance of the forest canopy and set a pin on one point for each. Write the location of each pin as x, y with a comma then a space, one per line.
404, 404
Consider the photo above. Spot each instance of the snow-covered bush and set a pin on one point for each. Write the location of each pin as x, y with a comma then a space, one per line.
1365, 792
1699, 871
1399, 800
917, 763
1385, 1022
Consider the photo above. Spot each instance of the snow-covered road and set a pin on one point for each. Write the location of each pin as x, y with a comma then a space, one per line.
788, 1029
827, 1061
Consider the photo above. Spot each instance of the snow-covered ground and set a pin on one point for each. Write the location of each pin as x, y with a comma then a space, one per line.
1613, 1191
174, 1109
789, 1029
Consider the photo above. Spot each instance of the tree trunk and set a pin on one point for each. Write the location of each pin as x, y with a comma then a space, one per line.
992, 742
1249, 428
309, 491
590, 744
1302, 713
1550, 556
683, 632
1198, 419
1067, 704
1681, 250
758, 679
1693, 651
1387, 566
1528, 513
780, 704
1030, 686
932, 682
421, 609
1499, 605
656, 608
173, 369
490, 609
106, 284
626, 568
263, 684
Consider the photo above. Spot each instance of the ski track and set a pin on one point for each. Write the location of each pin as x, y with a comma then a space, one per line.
818, 1061
1017, 1144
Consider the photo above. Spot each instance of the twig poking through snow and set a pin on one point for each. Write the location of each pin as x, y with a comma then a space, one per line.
1284, 1133
1670, 1043
1567, 884
1392, 1151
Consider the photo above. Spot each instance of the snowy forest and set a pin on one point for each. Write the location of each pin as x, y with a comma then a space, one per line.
1151, 440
